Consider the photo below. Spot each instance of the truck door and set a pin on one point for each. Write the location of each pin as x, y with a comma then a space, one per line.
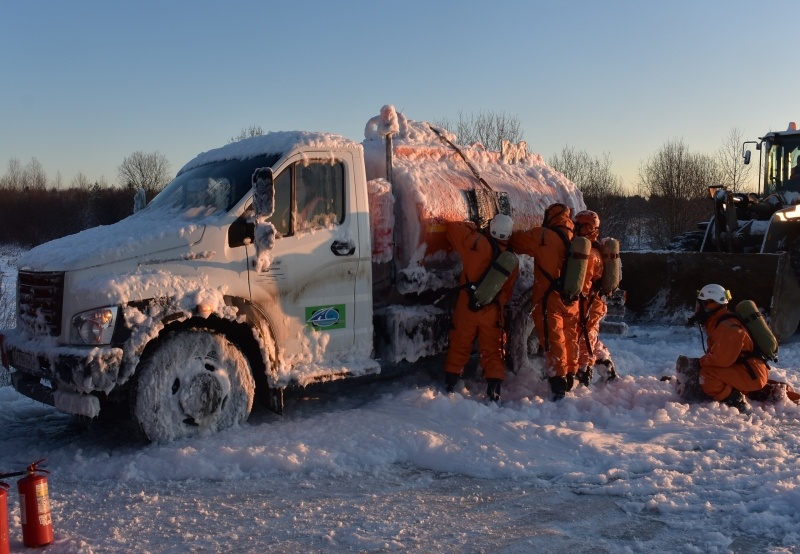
313, 264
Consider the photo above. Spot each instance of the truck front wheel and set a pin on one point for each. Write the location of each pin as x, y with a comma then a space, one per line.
194, 382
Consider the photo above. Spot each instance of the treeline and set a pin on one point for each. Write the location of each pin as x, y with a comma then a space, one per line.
35, 209
33, 215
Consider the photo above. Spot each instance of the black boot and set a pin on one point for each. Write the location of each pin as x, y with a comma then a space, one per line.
736, 400
559, 387
584, 375
608, 372
570, 381
493, 389
450, 381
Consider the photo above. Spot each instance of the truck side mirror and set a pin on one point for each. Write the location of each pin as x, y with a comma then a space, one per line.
139, 200
263, 205
264, 192
747, 157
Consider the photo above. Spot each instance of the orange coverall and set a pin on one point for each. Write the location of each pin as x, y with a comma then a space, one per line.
720, 368
593, 309
487, 323
556, 322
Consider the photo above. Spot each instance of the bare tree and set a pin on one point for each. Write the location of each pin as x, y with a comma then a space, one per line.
149, 171
34, 176
734, 173
251, 131
487, 128
676, 181
14, 177
80, 181
602, 190
593, 176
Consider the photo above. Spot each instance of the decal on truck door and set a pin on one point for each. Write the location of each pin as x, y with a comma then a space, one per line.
326, 318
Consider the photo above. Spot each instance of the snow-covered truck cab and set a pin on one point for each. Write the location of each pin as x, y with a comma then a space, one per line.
116, 311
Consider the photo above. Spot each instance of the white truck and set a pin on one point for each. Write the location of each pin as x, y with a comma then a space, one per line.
276, 261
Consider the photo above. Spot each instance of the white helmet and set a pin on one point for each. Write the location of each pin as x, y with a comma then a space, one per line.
500, 227
714, 292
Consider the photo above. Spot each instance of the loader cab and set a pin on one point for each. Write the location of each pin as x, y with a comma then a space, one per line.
781, 151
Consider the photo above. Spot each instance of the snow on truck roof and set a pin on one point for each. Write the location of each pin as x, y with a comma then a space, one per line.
278, 142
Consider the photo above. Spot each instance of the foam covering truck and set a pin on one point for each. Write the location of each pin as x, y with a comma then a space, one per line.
277, 261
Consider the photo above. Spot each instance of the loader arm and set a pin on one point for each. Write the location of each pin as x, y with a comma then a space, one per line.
661, 283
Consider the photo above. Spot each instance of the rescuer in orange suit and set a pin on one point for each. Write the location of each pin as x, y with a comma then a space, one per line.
729, 366
555, 319
485, 323
592, 305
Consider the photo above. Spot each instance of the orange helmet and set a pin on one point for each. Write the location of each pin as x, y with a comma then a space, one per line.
553, 211
587, 224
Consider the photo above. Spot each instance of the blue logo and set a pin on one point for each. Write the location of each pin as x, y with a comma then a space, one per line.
324, 317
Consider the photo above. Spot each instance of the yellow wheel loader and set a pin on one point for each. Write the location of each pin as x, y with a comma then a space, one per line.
751, 246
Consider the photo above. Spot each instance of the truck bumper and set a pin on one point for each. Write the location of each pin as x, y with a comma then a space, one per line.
72, 373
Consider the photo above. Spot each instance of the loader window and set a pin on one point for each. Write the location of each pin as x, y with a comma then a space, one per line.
793, 184
782, 171
319, 194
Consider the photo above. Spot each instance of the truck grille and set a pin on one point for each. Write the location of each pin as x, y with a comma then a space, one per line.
40, 298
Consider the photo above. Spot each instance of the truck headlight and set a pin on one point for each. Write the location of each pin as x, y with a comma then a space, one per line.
94, 326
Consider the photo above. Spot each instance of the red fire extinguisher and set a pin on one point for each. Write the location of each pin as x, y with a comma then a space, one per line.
4, 544
34, 506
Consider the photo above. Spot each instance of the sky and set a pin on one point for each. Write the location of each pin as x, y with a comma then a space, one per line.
85, 84
399, 466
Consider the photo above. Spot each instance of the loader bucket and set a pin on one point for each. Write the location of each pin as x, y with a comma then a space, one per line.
659, 284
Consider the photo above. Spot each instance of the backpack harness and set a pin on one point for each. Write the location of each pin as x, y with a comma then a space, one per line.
471, 286
556, 285
745, 357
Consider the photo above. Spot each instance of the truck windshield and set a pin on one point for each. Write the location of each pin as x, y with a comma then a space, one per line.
782, 170
210, 189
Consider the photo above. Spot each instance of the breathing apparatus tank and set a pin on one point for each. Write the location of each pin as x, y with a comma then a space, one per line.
575, 270
496, 276
765, 341
609, 251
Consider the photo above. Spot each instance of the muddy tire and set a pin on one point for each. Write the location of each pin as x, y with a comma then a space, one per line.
193, 383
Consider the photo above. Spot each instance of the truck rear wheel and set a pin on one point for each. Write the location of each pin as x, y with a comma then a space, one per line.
194, 382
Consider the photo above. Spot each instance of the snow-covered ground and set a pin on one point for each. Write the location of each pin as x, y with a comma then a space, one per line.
397, 466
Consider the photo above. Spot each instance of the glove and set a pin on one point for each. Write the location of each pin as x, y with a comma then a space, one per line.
691, 321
